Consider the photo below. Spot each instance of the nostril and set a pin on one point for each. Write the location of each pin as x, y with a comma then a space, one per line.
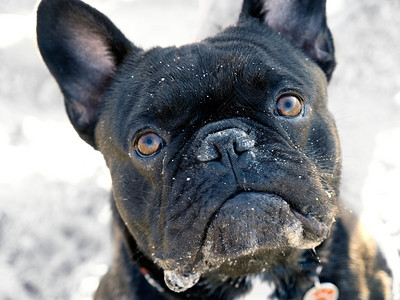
243, 144
207, 152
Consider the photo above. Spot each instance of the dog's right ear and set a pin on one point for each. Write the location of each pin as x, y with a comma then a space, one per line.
82, 49
302, 22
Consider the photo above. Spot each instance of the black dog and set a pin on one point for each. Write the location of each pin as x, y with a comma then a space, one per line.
224, 158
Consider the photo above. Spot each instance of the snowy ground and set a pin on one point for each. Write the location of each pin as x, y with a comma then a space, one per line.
54, 212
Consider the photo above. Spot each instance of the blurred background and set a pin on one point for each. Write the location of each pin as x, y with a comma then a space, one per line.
54, 189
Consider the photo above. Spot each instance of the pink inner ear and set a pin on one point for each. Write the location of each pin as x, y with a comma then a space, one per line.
96, 67
91, 50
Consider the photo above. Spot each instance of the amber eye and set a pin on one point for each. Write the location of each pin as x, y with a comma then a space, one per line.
289, 106
149, 144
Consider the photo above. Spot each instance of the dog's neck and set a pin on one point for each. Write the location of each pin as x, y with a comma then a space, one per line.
283, 282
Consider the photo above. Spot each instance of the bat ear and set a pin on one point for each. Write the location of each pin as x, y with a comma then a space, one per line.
82, 49
303, 22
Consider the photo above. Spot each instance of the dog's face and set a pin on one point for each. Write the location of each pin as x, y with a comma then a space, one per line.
223, 155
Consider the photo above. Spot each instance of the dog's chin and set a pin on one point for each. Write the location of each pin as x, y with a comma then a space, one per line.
250, 233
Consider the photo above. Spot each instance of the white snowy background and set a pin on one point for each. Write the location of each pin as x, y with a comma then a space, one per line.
54, 189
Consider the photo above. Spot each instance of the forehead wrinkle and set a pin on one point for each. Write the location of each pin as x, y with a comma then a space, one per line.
213, 80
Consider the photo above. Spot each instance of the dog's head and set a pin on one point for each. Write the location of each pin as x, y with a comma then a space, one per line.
223, 155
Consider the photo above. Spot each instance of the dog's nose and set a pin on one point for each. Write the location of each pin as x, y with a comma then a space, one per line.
217, 144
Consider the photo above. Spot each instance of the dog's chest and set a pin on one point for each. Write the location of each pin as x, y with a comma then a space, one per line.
260, 289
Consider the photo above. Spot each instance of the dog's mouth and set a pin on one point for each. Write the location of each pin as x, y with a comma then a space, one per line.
251, 226
252, 221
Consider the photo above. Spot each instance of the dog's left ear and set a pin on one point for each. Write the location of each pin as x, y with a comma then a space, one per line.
82, 49
303, 22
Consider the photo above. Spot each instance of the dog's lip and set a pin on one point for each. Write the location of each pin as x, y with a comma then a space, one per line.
311, 224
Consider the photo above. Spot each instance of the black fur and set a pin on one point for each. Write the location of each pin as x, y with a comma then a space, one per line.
235, 188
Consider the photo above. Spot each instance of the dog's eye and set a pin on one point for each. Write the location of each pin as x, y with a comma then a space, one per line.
289, 106
149, 144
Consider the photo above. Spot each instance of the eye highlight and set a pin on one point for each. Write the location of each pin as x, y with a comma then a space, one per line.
289, 106
149, 144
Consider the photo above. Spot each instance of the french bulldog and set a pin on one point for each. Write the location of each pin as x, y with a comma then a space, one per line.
225, 161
